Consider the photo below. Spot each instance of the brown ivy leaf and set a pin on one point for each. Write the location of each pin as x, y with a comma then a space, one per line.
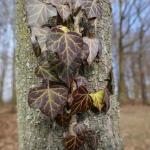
80, 129
38, 12
93, 8
68, 45
40, 34
73, 142
49, 99
64, 11
48, 71
106, 101
57, 71
63, 119
82, 101
67, 73
91, 139
94, 46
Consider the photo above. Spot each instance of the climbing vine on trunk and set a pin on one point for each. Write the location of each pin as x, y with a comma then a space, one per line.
65, 45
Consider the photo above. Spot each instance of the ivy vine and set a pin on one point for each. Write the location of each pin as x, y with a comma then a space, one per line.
65, 44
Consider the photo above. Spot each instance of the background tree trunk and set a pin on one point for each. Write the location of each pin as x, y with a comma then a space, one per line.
36, 132
122, 89
4, 60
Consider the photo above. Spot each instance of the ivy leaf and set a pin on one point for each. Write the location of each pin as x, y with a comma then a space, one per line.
48, 71
64, 11
75, 4
57, 71
63, 119
91, 139
67, 73
41, 35
82, 101
73, 142
68, 45
56, 3
94, 46
80, 129
93, 8
49, 99
81, 81
97, 98
38, 12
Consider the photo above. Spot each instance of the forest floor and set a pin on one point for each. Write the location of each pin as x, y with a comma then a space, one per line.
134, 125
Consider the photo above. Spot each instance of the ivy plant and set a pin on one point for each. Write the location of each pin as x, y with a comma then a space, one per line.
62, 31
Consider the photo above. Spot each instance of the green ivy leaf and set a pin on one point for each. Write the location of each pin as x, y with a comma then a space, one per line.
49, 99
68, 45
82, 101
38, 12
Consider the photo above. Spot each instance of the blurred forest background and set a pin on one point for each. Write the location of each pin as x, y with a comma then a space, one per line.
131, 55
130, 45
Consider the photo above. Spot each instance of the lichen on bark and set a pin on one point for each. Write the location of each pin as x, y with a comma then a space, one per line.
36, 132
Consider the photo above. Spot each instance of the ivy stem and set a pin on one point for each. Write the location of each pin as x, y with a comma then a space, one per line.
73, 122
77, 22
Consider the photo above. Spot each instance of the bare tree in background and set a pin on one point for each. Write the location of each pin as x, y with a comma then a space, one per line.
4, 62
3, 48
6, 46
130, 31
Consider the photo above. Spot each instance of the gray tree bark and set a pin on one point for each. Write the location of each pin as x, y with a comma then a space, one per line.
36, 132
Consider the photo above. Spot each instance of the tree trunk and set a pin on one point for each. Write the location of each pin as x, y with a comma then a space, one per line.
141, 67
13, 84
122, 89
36, 132
3, 73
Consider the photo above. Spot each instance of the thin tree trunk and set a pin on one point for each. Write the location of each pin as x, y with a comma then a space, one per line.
36, 132
122, 89
141, 67
3, 73
13, 84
